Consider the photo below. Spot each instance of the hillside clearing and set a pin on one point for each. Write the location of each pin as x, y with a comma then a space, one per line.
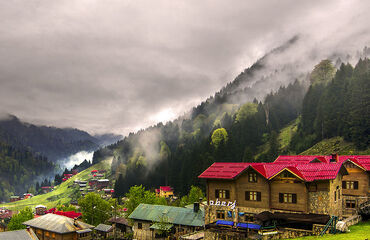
334, 145
62, 194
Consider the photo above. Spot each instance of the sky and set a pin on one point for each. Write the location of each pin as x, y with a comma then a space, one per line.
119, 66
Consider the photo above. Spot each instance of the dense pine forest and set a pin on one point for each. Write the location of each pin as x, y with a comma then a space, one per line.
325, 103
19, 168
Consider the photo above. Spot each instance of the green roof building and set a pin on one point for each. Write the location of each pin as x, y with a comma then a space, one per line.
153, 221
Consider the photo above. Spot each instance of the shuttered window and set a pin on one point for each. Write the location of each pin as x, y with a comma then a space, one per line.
287, 198
221, 193
252, 196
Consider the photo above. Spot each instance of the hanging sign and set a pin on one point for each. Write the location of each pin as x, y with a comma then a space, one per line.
223, 203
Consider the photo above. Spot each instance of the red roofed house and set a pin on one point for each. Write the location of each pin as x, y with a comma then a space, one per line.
355, 185
164, 191
303, 186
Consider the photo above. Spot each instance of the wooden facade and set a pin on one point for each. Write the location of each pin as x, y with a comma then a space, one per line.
356, 188
284, 193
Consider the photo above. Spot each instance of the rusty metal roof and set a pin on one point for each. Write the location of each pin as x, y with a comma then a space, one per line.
57, 223
24, 234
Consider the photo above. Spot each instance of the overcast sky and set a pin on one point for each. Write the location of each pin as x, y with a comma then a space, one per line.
117, 66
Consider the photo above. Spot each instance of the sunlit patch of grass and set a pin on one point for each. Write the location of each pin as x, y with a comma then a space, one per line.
62, 194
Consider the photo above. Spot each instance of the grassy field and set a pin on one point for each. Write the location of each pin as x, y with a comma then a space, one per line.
337, 145
360, 231
62, 194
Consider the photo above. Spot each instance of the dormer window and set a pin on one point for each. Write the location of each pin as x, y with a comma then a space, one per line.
252, 177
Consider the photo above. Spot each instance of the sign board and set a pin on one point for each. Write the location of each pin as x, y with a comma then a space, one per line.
230, 204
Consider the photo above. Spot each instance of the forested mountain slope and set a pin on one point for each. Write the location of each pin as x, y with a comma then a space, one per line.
54, 143
19, 168
336, 104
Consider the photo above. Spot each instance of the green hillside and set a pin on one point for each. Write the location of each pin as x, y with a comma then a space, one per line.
335, 145
62, 193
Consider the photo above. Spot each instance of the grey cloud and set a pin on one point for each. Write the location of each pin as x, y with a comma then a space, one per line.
112, 66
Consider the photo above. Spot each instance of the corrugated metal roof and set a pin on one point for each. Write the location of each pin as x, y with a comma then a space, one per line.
302, 168
23, 234
56, 223
220, 170
104, 228
174, 215
362, 160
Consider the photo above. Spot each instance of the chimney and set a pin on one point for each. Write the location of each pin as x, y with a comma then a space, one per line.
334, 157
196, 207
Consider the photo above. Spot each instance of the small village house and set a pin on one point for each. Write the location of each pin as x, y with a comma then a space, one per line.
40, 209
15, 198
53, 226
103, 231
121, 225
102, 183
46, 189
158, 221
164, 191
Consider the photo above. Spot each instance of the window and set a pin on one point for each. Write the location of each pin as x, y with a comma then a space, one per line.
252, 196
252, 177
220, 214
350, 203
350, 184
335, 196
139, 226
287, 198
221, 193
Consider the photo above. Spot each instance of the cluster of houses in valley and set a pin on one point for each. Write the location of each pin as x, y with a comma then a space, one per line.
291, 197
96, 183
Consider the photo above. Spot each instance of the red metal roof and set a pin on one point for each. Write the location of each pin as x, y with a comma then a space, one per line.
301, 166
166, 188
362, 160
221, 170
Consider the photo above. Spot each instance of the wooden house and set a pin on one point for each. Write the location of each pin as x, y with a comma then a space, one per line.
53, 226
15, 198
164, 191
102, 183
40, 209
355, 186
121, 225
237, 192
103, 231
159, 222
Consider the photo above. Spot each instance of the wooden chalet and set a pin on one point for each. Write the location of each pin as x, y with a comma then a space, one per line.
355, 186
237, 192
53, 226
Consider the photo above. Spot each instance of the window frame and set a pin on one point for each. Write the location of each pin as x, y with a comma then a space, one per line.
252, 177
290, 198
